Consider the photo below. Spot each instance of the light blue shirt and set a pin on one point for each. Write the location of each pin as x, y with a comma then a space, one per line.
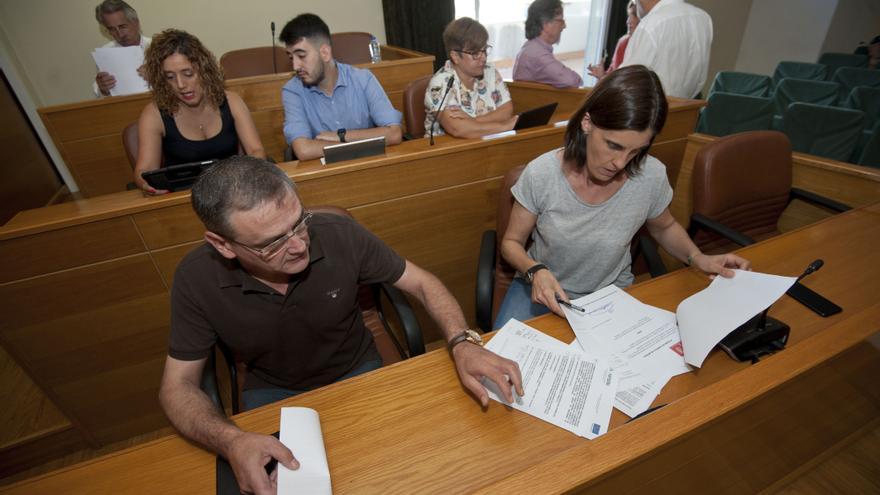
358, 102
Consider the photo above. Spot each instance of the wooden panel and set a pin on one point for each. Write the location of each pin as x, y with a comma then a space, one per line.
169, 226
167, 259
107, 325
52, 251
270, 125
77, 121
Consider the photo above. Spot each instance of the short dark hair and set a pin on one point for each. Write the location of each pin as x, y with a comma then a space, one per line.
464, 33
628, 99
238, 183
111, 6
308, 26
541, 11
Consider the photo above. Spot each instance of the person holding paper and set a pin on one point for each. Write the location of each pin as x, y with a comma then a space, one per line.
121, 22
632, 21
328, 102
192, 117
278, 285
582, 204
476, 101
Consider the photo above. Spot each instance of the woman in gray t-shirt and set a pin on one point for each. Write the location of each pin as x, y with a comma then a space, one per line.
582, 204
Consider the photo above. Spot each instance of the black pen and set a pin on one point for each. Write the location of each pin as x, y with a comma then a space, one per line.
570, 305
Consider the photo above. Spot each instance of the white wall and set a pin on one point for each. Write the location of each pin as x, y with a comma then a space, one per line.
52, 39
784, 30
853, 21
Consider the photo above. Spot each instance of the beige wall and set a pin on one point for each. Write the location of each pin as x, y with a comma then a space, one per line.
728, 25
853, 21
784, 30
53, 39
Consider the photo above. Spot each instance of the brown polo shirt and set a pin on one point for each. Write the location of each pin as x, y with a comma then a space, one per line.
301, 340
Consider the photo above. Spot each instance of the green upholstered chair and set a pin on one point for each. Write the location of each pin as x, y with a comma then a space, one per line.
866, 99
790, 90
741, 83
870, 154
799, 70
851, 77
830, 132
835, 61
728, 113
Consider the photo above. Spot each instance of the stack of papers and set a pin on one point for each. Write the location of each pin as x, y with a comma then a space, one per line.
625, 351
564, 386
123, 63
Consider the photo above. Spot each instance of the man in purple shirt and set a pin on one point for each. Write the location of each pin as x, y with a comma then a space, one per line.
535, 61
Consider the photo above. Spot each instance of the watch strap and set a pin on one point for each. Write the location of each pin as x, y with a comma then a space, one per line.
341, 134
530, 273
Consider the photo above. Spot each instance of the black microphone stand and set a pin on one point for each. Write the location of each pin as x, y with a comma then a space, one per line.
440, 107
274, 63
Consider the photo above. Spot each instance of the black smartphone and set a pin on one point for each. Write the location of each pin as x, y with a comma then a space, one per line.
813, 300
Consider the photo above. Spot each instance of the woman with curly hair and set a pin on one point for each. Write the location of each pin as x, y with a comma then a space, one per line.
192, 117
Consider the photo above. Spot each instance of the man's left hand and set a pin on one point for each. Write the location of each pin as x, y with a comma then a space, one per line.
473, 363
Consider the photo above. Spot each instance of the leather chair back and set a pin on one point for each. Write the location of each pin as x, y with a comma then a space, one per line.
742, 181
254, 62
414, 106
351, 47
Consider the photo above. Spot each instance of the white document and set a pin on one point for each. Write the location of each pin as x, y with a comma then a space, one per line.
498, 135
563, 386
709, 315
123, 63
301, 433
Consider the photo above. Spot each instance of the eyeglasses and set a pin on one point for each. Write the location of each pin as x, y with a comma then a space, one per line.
560, 20
475, 54
269, 251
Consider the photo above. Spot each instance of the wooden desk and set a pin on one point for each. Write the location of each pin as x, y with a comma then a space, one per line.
729, 427
89, 134
84, 285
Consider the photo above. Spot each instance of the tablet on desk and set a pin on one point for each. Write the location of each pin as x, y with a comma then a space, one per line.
355, 149
176, 177
535, 117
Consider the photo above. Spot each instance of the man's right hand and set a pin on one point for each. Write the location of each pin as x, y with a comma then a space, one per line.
105, 82
249, 453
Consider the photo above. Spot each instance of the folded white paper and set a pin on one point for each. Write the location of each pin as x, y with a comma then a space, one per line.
301, 433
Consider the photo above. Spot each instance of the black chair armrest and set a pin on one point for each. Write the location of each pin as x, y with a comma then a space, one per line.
412, 331
699, 221
233, 374
485, 280
648, 249
209, 383
811, 197
288, 154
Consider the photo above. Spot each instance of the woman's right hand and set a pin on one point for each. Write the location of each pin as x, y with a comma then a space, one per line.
545, 289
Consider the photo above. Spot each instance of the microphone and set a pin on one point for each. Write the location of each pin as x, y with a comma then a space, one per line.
274, 63
814, 267
440, 106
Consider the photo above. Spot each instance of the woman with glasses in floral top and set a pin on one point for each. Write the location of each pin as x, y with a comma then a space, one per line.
477, 101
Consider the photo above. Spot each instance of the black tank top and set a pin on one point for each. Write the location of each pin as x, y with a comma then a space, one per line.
178, 149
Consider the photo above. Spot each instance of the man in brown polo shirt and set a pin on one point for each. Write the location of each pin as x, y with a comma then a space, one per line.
278, 285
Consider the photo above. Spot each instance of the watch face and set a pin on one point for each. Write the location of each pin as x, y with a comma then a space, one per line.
474, 337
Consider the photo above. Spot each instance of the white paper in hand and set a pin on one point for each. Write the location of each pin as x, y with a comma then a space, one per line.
301, 433
123, 63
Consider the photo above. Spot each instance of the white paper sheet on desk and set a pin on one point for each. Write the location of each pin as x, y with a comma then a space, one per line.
301, 433
709, 315
123, 62
566, 387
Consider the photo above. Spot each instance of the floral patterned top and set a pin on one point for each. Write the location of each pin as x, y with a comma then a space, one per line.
488, 94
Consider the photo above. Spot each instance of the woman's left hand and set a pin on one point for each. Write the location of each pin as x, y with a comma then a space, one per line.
721, 264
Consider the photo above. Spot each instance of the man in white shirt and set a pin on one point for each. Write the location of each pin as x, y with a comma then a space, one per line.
121, 22
673, 39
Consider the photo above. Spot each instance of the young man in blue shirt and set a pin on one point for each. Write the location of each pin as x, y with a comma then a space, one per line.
328, 102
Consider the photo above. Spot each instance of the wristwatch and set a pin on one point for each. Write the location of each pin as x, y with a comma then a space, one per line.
530, 273
341, 134
467, 335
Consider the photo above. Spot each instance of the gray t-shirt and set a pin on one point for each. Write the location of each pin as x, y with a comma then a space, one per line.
586, 246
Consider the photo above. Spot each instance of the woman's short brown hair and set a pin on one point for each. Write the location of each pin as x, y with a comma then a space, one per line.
627, 99
464, 34
173, 41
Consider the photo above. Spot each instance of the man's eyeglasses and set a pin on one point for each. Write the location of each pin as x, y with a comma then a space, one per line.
475, 54
269, 251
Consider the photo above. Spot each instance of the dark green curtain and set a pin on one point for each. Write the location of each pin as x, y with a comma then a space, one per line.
616, 27
418, 25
